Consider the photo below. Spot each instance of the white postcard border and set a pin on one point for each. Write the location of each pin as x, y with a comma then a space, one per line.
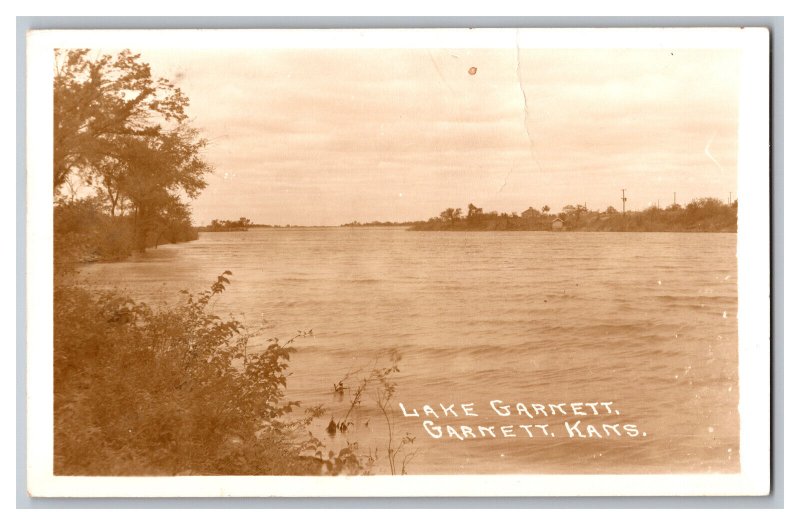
753, 259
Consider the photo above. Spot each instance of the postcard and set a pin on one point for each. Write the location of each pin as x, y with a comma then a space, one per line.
428, 262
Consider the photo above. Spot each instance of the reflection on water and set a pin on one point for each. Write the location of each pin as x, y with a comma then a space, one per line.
647, 321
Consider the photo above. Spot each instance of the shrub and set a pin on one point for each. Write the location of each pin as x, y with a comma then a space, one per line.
139, 391
84, 232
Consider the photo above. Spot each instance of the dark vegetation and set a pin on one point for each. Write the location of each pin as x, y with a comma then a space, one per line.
84, 232
179, 391
245, 224
145, 391
182, 391
700, 215
382, 223
124, 158
241, 225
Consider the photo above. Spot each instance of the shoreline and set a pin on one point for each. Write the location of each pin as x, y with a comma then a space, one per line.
457, 230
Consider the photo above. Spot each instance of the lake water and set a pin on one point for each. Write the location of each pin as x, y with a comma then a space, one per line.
646, 321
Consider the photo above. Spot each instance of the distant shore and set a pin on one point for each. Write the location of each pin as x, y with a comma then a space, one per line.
701, 215
707, 215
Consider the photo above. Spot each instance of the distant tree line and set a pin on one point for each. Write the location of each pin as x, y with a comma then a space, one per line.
125, 158
700, 215
381, 223
217, 225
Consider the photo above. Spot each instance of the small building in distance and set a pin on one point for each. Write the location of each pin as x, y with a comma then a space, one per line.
558, 224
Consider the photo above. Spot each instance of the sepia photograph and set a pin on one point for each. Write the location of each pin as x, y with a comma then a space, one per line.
308, 262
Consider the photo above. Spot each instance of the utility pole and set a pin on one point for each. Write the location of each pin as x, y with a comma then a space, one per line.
729, 198
624, 199
673, 197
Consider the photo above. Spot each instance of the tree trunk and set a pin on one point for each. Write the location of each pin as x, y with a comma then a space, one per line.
140, 229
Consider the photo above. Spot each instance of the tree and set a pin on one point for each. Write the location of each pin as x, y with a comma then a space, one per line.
704, 207
573, 212
124, 133
545, 208
580, 210
611, 210
158, 169
474, 215
473, 211
112, 171
97, 101
171, 221
451, 215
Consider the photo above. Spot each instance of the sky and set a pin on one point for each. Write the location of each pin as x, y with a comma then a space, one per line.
330, 136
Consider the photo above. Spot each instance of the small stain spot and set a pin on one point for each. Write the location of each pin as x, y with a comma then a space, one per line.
472, 70
711, 429
644, 434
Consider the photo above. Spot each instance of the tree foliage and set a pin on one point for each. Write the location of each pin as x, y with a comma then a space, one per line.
121, 131
156, 170
450, 215
701, 215
228, 225
97, 101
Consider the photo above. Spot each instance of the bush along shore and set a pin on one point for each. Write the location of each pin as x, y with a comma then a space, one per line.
83, 232
140, 391
700, 215
179, 391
